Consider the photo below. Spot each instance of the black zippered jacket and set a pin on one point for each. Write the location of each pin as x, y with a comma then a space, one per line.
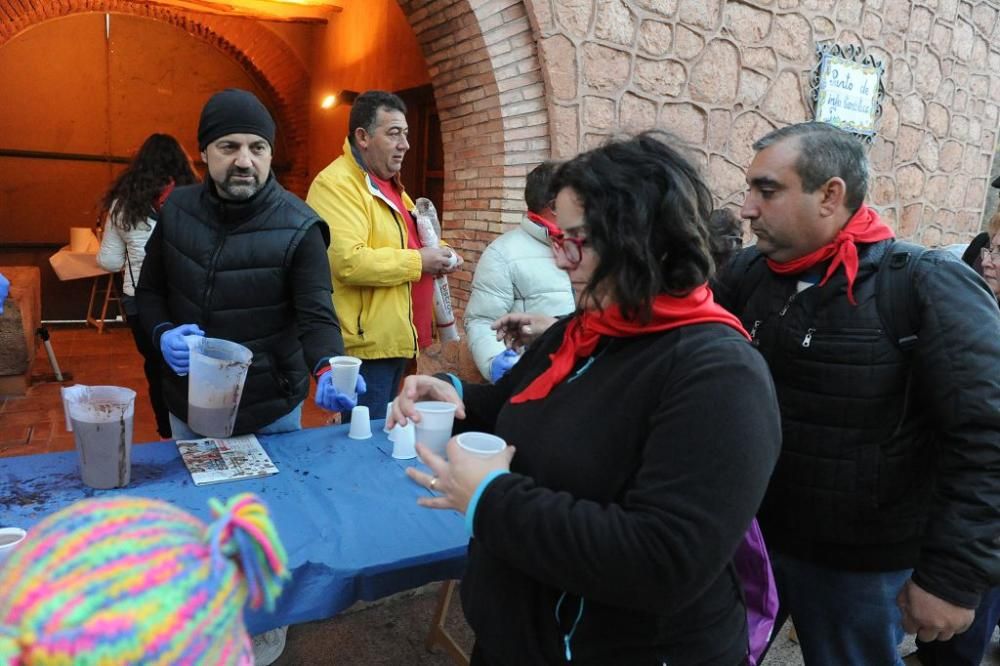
253, 272
890, 458
632, 485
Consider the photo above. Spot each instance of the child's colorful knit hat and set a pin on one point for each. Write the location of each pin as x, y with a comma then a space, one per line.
124, 580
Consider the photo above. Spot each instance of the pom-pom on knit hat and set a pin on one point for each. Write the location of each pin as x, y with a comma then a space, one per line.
234, 111
126, 580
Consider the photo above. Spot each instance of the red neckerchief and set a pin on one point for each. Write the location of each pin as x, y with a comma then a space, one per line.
585, 330
161, 198
865, 226
551, 228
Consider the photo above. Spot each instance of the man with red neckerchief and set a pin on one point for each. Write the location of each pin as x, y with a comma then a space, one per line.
883, 514
382, 274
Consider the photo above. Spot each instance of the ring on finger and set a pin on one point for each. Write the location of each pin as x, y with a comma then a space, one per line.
433, 484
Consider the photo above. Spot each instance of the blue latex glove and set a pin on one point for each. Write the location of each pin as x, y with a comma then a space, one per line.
502, 363
4, 290
174, 347
330, 399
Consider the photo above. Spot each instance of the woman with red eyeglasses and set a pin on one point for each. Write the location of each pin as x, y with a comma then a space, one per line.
606, 532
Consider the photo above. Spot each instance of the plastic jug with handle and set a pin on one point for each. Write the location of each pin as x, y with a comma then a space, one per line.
101, 420
215, 384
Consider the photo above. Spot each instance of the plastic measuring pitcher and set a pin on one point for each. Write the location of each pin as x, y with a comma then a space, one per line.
215, 384
101, 420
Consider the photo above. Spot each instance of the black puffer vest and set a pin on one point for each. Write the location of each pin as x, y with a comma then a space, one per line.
228, 264
854, 475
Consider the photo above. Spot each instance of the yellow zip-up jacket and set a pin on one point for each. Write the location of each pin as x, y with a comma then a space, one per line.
371, 265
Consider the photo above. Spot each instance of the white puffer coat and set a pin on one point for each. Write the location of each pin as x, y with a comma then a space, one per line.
516, 273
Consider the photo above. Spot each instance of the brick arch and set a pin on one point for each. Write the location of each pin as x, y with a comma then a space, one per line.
260, 52
490, 94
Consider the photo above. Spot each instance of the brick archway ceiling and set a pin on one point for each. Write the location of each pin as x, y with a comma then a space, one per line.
259, 51
484, 67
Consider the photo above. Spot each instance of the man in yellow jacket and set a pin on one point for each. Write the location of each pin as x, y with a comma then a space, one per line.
382, 275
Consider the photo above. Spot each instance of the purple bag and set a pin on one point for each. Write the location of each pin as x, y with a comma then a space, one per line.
759, 591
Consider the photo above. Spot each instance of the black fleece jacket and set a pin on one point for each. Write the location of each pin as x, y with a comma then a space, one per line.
632, 486
890, 459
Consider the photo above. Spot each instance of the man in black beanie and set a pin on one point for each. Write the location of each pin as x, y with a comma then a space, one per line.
240, 258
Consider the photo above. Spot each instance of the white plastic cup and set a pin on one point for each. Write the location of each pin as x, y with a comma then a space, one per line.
434, 428
361, 423
481, 444
388, 410
345, 373
403, 439
10, 538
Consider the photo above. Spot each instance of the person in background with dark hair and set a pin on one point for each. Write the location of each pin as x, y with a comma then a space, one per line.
516, 273
973, 254
725, 236
883, 514
382, 274
609, 537
983, 253
132, 207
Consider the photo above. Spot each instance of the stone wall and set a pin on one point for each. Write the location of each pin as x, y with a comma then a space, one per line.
722, 73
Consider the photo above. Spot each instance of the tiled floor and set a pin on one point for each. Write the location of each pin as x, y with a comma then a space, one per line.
35, 423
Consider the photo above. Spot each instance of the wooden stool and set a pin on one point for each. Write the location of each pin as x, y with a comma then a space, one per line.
438, 635
110, 294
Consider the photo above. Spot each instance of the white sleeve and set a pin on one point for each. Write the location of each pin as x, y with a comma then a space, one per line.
492, 296
111, 256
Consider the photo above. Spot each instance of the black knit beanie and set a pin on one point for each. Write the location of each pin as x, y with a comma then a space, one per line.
234, 111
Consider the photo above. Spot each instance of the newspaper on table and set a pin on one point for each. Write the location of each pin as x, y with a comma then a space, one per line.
217, 460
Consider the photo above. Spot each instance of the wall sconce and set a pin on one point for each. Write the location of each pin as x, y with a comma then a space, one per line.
343, 97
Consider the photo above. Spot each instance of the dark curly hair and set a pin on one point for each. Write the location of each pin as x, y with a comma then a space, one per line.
645, 207
364, 110
160, 159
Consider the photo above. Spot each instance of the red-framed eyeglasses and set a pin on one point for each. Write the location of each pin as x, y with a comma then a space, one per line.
571, 248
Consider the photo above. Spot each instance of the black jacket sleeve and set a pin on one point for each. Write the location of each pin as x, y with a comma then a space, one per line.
312, 296
957, 361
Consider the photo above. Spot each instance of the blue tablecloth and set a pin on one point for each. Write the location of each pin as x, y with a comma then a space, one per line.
344, 508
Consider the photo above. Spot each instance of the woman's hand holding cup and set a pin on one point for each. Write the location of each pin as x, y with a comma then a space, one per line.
417, 388
455, 479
